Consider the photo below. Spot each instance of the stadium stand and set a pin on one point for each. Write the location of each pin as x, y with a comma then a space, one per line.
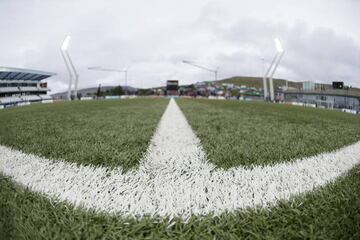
9, 89
7, 100
23, 86
29, 89
31, 98
45, 97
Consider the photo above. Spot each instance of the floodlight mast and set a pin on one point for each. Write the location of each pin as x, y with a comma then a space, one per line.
75, 74
273, 66
264, 80
278, 56
64, 47
215, 71
272, 74
271, 85
69, 66
125, 70
70, 74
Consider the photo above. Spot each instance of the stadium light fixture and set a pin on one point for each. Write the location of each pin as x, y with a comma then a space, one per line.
266, 93
64, 48
69, 66
273, 66
65, 44
75, 74
215, 71
278, 45
125, 71
279, 55
264, 79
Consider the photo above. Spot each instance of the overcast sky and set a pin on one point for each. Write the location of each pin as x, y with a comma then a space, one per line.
152, 37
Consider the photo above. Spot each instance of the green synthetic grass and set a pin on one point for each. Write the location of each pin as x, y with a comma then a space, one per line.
237, 133
109, 133
117, 132
332, 212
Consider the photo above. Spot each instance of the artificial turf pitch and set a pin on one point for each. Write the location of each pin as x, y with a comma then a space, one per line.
228, 131
254, 133
107, 133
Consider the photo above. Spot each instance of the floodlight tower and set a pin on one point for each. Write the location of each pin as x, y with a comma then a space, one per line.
63, 50
274, 65
125, 71
266, 94
264, 80
69, 66
215, 71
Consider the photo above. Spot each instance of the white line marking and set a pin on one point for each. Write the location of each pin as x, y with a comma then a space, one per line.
174, 178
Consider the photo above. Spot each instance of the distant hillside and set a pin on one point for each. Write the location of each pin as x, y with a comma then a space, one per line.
91, 91
257, 82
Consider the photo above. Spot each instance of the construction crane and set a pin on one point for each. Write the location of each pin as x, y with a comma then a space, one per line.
113, 70
215, 71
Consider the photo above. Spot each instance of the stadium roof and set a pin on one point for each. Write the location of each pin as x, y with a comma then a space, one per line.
7, 73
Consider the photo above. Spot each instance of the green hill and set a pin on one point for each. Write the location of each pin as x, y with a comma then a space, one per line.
257, 82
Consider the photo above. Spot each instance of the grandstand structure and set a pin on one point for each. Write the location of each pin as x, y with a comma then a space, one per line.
23, 87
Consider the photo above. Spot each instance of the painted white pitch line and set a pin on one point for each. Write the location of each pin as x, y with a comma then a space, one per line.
174, 178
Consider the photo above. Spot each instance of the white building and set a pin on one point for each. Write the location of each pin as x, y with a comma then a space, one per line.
23, 86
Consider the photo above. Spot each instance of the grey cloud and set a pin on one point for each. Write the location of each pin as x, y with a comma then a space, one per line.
152, 37
319, 54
